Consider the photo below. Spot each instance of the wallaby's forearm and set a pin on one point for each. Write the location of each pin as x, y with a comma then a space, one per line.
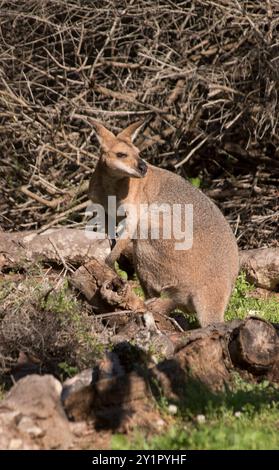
118, 249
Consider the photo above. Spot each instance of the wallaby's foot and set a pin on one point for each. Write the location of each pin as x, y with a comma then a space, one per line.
209, 318
210, 308
161, 306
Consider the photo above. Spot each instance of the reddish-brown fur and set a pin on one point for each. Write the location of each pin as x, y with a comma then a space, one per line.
199, 279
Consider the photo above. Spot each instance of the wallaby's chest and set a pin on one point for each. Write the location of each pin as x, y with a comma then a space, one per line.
112, 195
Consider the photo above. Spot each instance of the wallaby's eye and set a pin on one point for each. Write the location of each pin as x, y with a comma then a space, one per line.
121, 155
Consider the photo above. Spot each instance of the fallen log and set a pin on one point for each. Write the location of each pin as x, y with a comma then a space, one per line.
68, 247
204, 360
261, 267
73, 247
254, 345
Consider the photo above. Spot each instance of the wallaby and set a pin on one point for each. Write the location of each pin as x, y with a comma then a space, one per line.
199, 279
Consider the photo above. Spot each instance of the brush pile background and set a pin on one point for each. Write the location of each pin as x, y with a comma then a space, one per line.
204, 73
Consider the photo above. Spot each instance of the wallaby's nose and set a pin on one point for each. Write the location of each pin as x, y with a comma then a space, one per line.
142, 167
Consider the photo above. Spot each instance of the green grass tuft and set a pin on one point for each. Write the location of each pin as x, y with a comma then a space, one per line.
242, 304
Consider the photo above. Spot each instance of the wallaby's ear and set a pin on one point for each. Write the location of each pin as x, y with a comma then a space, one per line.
105, 137
131, 131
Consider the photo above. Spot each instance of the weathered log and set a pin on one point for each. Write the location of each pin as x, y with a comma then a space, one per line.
74, 247
254, 345
261, 267
205, 359
60, 246
103, 288
89, 278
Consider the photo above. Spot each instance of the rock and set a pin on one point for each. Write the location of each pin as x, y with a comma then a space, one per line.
200, 419
76, 382
32, 416
79, 392
27, 425
163, 346
18, 444
159, 424
80, 428
172, 409
78, 396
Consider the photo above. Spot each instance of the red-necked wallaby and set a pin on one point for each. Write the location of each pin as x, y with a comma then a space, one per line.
198, 279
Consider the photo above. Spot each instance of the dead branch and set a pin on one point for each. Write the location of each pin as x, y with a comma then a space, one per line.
104, 289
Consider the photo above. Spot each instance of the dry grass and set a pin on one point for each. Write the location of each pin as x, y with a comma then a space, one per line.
44, 326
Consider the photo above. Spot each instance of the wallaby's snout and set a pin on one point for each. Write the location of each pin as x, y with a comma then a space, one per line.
142, 167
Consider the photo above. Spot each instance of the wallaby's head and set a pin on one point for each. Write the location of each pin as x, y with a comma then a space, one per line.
119, 155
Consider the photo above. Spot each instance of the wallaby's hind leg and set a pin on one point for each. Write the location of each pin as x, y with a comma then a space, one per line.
208, 303
149, 291
172, 300
116, 252
210, 306
161, 306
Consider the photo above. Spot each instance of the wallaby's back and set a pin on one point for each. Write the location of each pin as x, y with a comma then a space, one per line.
198, 279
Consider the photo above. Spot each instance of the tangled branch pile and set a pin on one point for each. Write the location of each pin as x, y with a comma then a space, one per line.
206, 71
